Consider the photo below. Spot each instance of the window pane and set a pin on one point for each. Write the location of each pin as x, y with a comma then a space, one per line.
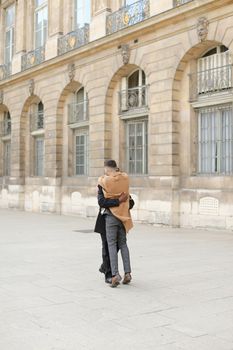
133, 80
129, 2
215, 134
137, 147
41, 26
10, 16
7, 158
39, 156
9, 34
40, 2
81, 154
82, 12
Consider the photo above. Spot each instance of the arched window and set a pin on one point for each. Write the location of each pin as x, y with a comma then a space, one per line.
134, 111
37, 137
78, 121
215, 115
214, 70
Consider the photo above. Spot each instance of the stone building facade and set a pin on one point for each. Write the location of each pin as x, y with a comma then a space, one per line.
148, 83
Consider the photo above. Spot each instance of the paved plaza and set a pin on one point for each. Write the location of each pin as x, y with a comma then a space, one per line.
52, 296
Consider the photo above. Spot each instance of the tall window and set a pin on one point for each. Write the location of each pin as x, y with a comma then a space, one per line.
9, 33
137, 146
6, 158
215, 140
81, 151
41, 22
214, 70
6, 143
39, 156
82, 13
37, 134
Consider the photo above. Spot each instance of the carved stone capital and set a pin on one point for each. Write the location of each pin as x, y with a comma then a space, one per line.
125, 53
71, 71
202, 28
31, 87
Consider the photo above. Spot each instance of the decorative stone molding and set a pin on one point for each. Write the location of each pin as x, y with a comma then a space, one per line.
1, 96
208, 206
125, 53
71, 71
202, 28
31, 87
100, 5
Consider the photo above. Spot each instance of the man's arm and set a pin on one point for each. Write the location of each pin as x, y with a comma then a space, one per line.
109, 202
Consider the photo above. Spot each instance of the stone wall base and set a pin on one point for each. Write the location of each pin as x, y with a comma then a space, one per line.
197, 208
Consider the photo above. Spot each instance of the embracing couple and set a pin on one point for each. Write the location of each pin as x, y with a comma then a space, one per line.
113, 222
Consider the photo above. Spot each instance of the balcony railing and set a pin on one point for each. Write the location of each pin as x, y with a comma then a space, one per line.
211, 81
37, 121
32, 58
78, 112
133, 99
73, 40
180, 2
127, 16
5, 71
5, 127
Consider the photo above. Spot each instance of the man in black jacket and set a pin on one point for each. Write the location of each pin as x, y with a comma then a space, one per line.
104, 204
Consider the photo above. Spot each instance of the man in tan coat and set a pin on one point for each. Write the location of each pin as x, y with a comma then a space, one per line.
118, 220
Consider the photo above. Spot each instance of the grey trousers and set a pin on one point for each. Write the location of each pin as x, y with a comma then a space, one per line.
116, 235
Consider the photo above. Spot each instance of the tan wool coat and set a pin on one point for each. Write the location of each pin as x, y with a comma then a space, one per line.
113, 185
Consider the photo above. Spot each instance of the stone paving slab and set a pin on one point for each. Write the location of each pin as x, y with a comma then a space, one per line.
52, 296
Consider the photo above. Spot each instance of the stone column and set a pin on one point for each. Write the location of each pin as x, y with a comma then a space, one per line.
55, 29
68, 19
20, 35
100, 10
159, 6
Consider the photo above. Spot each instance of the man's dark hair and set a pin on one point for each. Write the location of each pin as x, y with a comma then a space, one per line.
110, 163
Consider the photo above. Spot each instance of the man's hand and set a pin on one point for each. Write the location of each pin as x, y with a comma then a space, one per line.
123, 197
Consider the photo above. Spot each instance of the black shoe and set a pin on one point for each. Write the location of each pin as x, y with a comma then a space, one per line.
108, 280
101, 269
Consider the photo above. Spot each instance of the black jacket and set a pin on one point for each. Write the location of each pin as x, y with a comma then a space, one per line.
106, 203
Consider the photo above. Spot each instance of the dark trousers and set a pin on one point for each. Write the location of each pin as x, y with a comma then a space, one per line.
105, 256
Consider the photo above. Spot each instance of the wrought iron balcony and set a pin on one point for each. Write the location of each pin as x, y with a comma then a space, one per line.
211, 81
78, 112
5, 71
32, 58
180, 2
5, 127
133, 99
127, 16
37, 121
73, 40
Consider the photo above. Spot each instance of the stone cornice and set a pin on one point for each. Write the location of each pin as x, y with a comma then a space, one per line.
174, 15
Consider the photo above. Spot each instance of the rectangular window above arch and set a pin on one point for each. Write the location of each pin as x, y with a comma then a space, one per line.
137, 146
215, 140
6, 158
39, 156
81, 151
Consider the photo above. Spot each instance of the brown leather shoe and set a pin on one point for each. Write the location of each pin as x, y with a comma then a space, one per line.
115, 281
127, 279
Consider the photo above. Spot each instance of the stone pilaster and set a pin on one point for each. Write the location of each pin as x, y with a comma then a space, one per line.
100, 10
